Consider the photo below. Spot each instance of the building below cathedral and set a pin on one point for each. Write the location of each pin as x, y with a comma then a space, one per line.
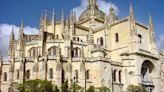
94, 50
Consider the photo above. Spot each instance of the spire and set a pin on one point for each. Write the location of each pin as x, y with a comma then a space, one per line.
45, 15
131, 10
12, 34
11, 45
53, 17
41, 23
21, 39
132, 20
62, 16
21, 31
151, 29
74, 15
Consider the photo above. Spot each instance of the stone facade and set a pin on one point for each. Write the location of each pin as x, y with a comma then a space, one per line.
95, 50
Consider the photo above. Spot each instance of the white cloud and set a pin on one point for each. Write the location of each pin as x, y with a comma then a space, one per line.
103, 5
5, 31
161, 42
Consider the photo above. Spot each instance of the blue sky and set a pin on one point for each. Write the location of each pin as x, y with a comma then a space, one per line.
12, 11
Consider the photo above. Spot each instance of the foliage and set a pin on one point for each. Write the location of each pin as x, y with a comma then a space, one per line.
64, 87
91, 89
75, 88
104, 89
139, 88
36, 86
56, 89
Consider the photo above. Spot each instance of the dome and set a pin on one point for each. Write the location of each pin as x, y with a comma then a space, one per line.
86, 14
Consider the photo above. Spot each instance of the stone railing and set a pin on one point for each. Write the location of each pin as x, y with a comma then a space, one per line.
55, 41
32, 42
52, 57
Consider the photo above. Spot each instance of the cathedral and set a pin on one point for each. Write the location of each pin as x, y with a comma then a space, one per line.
94, 49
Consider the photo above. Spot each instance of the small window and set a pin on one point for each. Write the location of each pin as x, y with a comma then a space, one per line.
51, 73
101, 41
117, 37
28, 74
119, 76
87, 74
76, 52
76, 75
17, 74
114, 75
98, 40
140, 38
5, 76
57, 36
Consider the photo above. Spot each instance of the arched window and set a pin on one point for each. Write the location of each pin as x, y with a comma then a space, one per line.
119, 76
76, 75
5, 76
87, 74
51, 73
101, 41
117, 37
76, 52
140, 38
147, 71
114, 75
28, 74
52, 51
32, 52
17, 74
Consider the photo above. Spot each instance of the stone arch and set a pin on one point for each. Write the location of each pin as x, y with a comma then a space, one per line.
147, 70
76, 52
32, 52
52, 50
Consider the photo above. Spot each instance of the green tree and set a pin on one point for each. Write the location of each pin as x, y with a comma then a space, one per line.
91, 89
75, 87
56, 89
36, 86
64, 87
139, 88
104, 89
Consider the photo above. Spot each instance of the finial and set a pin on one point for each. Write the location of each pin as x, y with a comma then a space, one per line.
53, 12
22, 23
45, 15
131, 9
12, 33
62, 15
150, 19
53, 16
